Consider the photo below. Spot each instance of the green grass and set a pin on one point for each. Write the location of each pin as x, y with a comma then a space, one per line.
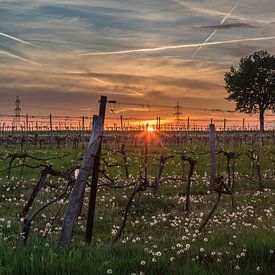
236, 241
217, 258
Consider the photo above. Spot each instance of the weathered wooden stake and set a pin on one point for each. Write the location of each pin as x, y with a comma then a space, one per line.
212, 141
83, 123
51, 122
27, 122
224, 124
121, 123
76, 198
93, 190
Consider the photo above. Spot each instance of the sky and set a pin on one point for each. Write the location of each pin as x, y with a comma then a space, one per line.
60, 56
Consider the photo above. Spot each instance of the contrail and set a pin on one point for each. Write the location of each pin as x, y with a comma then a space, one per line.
219, 13
17, 57
183, 46
215, 31
16, 39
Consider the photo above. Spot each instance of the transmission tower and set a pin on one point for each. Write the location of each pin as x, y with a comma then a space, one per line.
17, 112
177, 114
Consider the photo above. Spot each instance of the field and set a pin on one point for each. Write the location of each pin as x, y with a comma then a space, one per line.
162, 234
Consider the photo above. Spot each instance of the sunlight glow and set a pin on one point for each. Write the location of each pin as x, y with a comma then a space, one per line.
150, 129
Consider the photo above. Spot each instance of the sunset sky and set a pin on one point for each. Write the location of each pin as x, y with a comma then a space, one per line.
60, 56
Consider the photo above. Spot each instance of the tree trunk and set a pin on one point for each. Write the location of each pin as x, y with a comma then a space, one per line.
262, 121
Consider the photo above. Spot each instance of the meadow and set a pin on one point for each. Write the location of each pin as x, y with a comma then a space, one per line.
160, 236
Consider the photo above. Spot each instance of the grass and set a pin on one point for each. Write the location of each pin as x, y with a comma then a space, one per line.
39, 258
158, 232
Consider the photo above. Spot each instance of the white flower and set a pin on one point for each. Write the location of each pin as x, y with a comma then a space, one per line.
76, 172
142, 262
109, 271
8, 224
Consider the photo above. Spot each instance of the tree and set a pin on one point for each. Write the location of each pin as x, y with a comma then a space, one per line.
252, 85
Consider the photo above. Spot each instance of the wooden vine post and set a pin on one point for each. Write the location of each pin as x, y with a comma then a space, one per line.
89, 163
212, 141
93, 190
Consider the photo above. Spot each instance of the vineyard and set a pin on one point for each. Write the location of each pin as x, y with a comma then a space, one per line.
156, 209
137, 137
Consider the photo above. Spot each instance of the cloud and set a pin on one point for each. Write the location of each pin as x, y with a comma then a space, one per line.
155, 94
216, 30
198, 8
229, 26
135, 51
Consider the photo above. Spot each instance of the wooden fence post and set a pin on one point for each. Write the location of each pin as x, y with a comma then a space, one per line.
51, 122
121, 123
27, 123
76, 198
212, 141
83, 123
93, 190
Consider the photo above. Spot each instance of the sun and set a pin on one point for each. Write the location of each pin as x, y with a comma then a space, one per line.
150, 129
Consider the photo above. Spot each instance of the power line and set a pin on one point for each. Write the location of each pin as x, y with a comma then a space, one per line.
145, 105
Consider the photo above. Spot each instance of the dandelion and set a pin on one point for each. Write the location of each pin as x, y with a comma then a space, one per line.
154, 260
8, 224
109, 271
142, 262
